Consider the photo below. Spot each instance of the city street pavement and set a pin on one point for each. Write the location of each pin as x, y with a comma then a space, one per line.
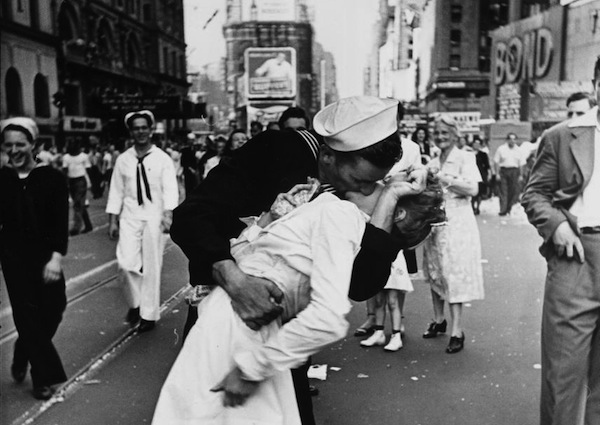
494, 381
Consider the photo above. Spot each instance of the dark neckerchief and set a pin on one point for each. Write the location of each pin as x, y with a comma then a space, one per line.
142, 170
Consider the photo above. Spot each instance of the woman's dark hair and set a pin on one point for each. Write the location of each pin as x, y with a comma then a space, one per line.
414, 135
383, 154
423, 210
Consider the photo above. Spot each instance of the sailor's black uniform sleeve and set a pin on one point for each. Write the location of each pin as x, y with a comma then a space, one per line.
373, 263
243, 185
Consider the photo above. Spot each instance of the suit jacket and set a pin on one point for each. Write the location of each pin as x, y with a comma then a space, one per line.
561, 171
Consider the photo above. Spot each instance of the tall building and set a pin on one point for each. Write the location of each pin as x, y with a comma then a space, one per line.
95, 59
270, 29
454, 52
28, 62
120, 55
541, 58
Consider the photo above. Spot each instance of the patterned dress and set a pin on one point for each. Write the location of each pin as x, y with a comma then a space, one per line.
452, 254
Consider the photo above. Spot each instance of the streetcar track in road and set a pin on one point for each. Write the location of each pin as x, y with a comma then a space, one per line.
96, 364
8, 336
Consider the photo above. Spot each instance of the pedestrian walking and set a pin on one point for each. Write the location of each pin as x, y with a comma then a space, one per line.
508, 161
34, 222
76, 165
452, 255
295, 118
143, 193
272, 163
561, 201
485, 168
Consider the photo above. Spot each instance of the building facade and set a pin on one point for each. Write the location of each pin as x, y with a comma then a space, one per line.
454, 53
94, 60
269, 29
540, 60
28, 62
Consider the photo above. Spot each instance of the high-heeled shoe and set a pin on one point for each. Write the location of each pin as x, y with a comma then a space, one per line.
456, 344
378, 338
435, 328
395, 342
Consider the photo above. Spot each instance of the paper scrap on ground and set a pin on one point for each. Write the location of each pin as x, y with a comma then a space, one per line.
362, 375
335, 369
318, 371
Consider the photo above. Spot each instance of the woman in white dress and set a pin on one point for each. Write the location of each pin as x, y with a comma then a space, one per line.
309, 254
452, 255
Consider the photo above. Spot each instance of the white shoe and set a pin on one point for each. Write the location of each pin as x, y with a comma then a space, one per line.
378, 338
395, 343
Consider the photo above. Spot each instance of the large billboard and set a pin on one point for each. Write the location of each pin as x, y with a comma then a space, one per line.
271, 72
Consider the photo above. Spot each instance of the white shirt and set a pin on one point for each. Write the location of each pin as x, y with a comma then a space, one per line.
313, 247
46, 157
411, 157
122, 197
271, 68
76, 165
507, 157
587, 205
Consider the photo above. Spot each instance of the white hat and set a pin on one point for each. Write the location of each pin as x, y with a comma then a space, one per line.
146, 114
24, 123
356, 122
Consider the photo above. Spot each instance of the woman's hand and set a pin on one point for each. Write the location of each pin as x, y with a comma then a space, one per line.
236, 389
296, 196
53, 270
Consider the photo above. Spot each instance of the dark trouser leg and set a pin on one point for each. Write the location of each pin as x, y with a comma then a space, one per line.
514, 187
411, 260
77, 189
303, 397
20, 356
503, 194
570, 323
46, 365
189, 322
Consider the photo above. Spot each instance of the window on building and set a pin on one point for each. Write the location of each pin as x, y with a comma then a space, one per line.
132, 52
72, 100
147, 12
455, 38
67, 22
456, 13
182, 66
410, 54
14, 93
165, 60
484, 63
104, 38
41, 96
34, 13
174, 63
454, 62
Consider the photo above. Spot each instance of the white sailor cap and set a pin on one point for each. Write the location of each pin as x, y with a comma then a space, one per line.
146, 114
356, 122
24, 124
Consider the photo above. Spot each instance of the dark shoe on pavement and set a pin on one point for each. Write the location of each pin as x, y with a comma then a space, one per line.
364, 331
434, 329
43, 393
456, 344
313, 391
87, 230
146, 325
18, 373
73, 232
133, 316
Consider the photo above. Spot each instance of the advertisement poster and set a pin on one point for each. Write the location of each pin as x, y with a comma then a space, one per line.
271, 72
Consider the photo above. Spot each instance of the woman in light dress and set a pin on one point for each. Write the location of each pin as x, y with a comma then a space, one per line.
309, 254
452, 255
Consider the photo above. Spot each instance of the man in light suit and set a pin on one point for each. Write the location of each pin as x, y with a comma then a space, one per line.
562, 199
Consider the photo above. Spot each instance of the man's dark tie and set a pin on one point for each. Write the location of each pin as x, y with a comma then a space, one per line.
140, 166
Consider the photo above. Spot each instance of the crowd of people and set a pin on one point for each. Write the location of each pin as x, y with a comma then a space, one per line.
330, 214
